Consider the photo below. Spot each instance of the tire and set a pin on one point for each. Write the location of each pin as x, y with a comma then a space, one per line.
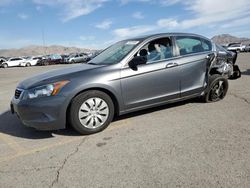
91, 112
217, 88
28, 64
73, 61
5, 65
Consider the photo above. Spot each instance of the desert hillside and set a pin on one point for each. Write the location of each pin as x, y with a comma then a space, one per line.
225, 39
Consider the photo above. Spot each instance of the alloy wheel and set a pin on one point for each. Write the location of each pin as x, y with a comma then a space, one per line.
217, 91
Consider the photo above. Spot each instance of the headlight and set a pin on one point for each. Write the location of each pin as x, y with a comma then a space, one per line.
45, 90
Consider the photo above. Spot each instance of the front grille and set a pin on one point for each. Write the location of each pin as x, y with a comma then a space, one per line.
18, 92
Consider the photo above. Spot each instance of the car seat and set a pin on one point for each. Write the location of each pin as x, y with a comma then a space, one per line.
143, 52
198, 48
183, 51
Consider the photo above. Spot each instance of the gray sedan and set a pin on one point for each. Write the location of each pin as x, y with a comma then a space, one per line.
128, 76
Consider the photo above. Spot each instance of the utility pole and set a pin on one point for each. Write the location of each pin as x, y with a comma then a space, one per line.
44, 47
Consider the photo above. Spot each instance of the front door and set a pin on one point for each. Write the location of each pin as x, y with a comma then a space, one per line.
15, 62
154, 82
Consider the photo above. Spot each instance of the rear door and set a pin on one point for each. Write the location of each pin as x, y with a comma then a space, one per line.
193, 54
81, 57
35, 60
77, 58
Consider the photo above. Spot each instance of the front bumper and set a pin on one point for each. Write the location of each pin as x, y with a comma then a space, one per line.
47, 113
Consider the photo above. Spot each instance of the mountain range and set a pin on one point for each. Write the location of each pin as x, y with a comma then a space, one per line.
33, 50
225, 39
41, 50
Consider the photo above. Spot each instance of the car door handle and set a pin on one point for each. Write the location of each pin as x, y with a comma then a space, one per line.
169, 65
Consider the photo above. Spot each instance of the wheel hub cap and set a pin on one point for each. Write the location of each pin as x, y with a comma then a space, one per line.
93, 113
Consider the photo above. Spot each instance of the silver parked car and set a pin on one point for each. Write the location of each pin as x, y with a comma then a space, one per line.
128, 76
76, 58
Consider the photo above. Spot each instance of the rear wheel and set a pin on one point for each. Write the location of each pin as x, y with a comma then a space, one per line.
28, 64
217, 88
91, 112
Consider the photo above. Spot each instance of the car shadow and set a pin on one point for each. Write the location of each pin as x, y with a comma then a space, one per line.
246, 72
11, 125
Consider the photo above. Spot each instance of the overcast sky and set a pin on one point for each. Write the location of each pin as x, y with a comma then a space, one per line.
98, 23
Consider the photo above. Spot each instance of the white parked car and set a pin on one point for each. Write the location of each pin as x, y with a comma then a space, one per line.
13, 62
31, 61
237, 47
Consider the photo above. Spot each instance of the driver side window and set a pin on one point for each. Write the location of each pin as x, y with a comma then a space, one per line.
157, 50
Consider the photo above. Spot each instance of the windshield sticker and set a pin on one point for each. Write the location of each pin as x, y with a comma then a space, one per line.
132, 42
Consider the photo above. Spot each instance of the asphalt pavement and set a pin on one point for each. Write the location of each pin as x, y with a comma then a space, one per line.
186, 144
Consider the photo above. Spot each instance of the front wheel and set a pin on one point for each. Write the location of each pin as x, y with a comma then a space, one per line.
217, 88
91, 112
5, 65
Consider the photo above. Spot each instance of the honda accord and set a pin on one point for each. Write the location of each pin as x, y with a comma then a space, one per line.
128, 76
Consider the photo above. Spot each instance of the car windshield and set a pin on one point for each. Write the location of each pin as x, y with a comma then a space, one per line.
115, 53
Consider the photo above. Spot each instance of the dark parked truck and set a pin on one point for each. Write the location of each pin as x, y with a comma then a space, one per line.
50, 60
128, 76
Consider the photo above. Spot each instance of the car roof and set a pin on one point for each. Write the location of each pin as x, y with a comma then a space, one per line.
164, 34
16, 57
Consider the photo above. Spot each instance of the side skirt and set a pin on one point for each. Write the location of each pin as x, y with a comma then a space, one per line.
160, 103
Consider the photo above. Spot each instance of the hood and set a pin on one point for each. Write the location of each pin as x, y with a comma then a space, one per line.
54, 75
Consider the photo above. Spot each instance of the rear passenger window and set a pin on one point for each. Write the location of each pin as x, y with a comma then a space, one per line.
15, 59
190, 45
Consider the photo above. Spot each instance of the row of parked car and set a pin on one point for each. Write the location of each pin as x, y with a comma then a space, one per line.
46, 60
238, 47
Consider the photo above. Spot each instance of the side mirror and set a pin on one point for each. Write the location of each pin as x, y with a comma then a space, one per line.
137, 60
